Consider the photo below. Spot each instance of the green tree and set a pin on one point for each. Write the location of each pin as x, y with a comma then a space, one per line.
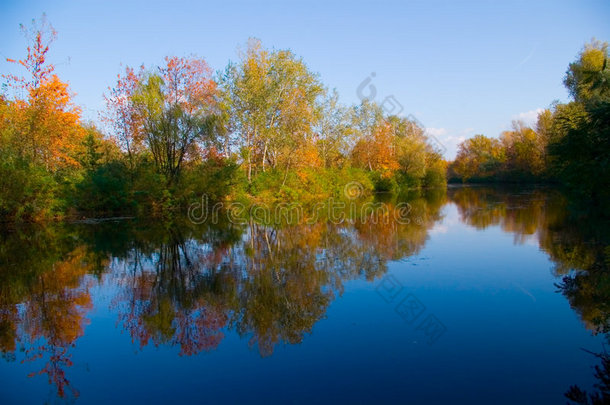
580, 136
588, 77
581, 157
177, 112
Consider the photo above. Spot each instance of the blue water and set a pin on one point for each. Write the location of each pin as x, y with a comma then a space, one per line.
505, 334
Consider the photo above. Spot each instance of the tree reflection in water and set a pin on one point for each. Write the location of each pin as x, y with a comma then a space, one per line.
44, 300
576, 240
186, 285
269, 283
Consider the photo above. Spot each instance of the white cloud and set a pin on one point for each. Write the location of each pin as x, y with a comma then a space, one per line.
439, 229
436, 131
455, 139
450, 139
529, 117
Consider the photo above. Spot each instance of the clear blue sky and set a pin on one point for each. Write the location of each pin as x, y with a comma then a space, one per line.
460, 67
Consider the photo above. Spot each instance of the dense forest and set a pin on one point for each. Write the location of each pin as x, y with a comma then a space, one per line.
262, 129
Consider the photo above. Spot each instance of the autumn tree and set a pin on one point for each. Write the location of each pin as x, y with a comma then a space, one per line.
46, 123
273, 100
365, 118
524, 152
394, 149
544, 123
169, 112
121, 115
412, 149
377, 151
333, 132
175, 108
41, 136
479, 156
374, 147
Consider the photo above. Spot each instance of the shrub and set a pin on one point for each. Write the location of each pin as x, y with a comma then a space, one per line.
27, 191
105, 190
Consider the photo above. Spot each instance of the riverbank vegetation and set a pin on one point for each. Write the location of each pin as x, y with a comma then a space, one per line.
263, 129
569, 144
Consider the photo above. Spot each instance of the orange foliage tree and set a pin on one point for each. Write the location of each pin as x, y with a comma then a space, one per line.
46, 125
377, 151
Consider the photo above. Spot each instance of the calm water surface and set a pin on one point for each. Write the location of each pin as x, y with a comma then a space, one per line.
484, 296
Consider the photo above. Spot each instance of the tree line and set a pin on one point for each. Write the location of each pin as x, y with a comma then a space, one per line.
569, 144
265, 127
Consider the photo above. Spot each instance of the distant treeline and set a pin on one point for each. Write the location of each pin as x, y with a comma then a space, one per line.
570, 143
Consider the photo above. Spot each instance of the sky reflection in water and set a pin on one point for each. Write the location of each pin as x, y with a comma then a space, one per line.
316, 313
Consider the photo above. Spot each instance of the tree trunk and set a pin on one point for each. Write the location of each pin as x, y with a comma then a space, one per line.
265, 155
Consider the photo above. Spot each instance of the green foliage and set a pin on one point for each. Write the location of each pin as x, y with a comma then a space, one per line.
271, 98
150, 191
581, 157
334, 132
384, 184
579, 141
214, 178
308, 186
435, 177
588, 78
566, 117
27, 191
283, 137
105, 190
